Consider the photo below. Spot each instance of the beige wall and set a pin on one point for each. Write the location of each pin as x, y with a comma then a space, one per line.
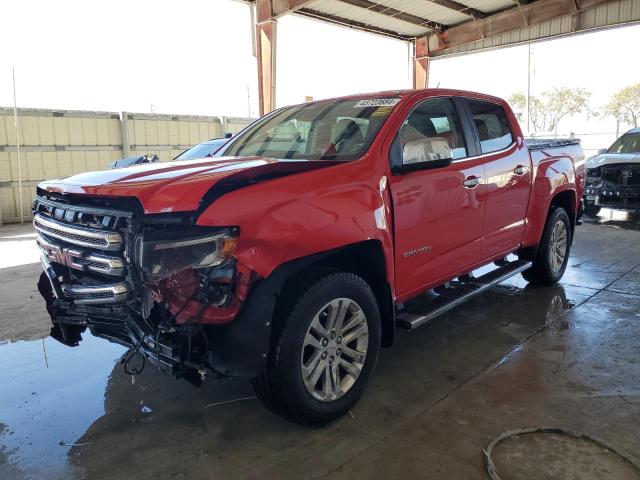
58, 143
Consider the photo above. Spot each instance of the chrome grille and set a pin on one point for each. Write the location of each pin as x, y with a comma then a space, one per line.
107, 265
80, 246
81, 236
88, 294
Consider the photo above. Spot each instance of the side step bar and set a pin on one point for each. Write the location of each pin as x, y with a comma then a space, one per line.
421, 310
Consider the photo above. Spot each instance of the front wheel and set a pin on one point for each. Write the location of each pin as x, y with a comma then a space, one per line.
326, 351
552, 254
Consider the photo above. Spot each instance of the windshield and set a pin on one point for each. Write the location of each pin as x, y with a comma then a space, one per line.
333, 130
201, 150
628, 143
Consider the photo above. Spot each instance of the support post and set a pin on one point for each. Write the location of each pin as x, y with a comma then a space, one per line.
266, 32
266, 37
421, 62
124, 128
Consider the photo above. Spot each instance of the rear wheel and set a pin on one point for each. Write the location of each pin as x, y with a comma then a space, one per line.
552, 254
325, 353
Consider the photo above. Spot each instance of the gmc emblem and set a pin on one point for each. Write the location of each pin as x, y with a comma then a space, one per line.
63, 256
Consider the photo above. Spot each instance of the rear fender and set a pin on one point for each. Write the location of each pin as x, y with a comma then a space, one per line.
553, 176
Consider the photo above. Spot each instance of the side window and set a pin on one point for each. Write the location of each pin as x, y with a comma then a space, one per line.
432, 131
492, 125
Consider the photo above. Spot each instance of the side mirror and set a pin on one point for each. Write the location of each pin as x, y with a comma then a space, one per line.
602, 150
424, 154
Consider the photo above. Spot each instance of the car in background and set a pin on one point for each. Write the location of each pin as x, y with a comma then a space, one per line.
203, 150
613, 176
136, 160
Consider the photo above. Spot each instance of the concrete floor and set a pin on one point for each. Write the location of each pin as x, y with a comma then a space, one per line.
517, 356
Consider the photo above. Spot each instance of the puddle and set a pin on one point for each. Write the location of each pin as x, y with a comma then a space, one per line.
618, 219
509, 355
552, 456
50, 394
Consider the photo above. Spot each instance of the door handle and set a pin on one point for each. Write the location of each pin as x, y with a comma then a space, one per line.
471, 182
520, 170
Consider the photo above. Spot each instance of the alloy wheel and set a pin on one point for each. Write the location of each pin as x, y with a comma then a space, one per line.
334, 349
558, 246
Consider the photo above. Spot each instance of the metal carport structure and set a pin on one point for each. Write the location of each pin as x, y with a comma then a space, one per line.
438, 28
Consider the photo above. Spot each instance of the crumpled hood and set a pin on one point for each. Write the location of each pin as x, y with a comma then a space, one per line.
179, 186
612, 158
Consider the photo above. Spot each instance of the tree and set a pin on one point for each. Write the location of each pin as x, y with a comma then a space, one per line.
518, 101
554, 105
625, 105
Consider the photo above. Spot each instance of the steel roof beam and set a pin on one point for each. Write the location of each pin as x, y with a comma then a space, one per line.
282, 7
347, 22
392, 12
461, 7
505, 21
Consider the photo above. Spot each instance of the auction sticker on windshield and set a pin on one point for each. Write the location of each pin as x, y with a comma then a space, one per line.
377, 102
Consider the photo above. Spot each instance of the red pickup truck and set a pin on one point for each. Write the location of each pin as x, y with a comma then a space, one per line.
323, 227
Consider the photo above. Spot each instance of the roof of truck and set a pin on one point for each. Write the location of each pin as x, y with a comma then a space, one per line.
411, 92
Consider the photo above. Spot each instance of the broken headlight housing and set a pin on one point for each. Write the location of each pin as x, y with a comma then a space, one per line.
162, 254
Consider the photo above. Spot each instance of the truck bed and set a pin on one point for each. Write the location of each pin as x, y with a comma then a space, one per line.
542, 143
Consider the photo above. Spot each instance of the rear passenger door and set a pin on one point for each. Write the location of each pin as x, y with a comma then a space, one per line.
507, 179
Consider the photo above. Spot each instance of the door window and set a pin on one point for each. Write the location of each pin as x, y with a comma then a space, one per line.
432, 131
492, 126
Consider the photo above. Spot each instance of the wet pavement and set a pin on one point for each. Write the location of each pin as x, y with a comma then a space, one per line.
514, 357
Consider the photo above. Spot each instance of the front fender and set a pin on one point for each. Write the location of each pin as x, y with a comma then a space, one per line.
297, 216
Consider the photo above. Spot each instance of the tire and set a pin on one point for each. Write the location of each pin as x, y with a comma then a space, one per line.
592, 210
299, 346
548, 268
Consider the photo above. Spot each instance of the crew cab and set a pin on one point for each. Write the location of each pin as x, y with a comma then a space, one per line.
613, 176
321, 229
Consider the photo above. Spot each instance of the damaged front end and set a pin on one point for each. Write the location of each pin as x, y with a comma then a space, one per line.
613, 185
167, 289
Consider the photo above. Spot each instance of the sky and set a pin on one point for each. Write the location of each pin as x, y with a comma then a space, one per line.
195, 57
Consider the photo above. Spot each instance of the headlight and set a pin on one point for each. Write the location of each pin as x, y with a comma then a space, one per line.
163, 254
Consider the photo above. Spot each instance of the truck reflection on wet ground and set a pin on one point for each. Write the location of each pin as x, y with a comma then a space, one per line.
50, 395
55, 393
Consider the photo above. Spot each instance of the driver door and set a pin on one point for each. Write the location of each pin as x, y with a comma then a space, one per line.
439, 202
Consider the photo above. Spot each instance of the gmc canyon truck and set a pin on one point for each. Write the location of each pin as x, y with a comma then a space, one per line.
294, 257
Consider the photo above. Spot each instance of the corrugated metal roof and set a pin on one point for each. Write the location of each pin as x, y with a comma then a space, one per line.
613, 13
490, 5
337, 8
495, 22
368, 12
428, 10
